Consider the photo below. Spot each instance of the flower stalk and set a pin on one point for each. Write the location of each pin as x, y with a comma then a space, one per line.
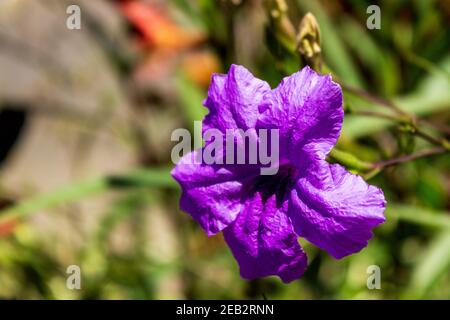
281, 24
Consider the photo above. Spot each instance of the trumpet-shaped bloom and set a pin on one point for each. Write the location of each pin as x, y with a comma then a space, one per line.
261, 216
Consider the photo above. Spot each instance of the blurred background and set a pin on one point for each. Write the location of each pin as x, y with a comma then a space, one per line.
86, 117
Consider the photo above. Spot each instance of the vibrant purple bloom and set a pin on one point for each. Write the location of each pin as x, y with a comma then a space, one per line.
262, 215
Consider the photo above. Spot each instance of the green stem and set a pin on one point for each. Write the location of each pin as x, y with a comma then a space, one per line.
282, 26
410, 157
84, 189
439, 141
402, 116
349, 160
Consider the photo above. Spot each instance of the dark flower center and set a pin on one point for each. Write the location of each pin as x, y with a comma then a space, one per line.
277, 184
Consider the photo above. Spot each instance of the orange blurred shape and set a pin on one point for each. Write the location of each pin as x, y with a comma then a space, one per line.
7, 227
157, 29
199, 66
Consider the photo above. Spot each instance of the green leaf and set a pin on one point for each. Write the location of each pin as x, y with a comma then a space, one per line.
191, 98
383, 66
120, 210
416, 215
151, 177
431, 267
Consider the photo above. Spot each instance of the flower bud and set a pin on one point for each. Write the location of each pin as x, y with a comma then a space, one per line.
308, 42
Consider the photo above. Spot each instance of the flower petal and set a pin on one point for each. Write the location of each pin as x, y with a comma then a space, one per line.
211, 194
307, 108
336, 210
263, 242
233, 100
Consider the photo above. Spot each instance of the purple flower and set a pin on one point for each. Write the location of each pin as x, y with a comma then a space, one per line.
262, 215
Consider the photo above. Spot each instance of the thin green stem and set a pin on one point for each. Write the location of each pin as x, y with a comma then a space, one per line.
410, 157
373, 98
444, 143
369, 169
369, 113
402, 116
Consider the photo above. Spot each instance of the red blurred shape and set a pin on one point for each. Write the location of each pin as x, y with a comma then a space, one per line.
157, 29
